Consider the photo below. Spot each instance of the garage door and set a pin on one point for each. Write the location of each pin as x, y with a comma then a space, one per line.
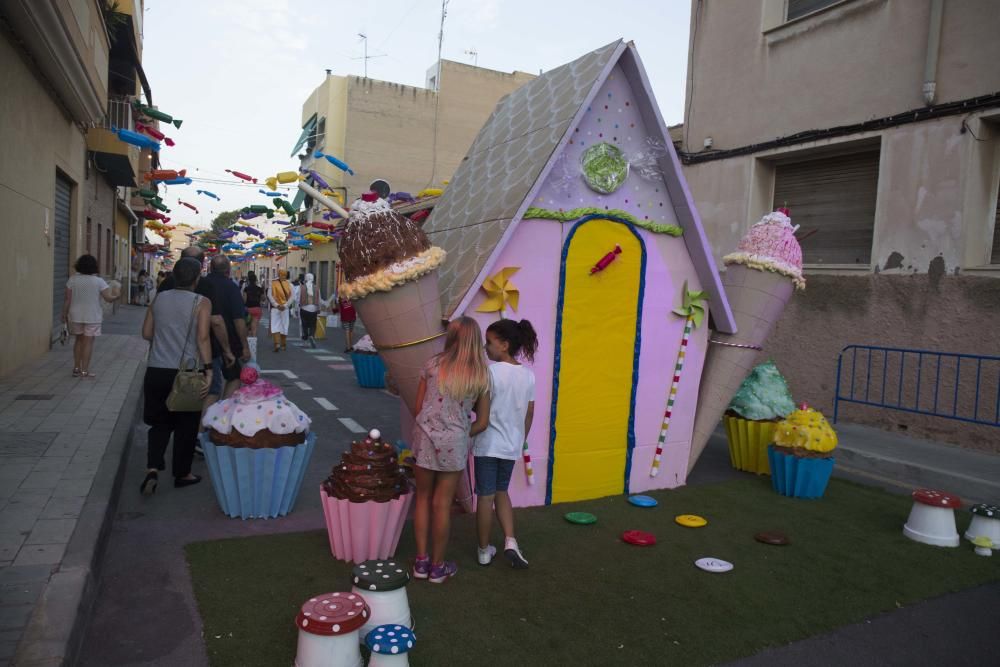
834, 198
60, 249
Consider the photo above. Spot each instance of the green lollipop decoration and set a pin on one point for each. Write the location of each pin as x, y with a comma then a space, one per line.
604, 167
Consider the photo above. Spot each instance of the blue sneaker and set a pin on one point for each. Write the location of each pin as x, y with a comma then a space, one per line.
421, 567
442, 572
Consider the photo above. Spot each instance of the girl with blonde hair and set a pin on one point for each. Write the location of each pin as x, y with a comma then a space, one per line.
452, 384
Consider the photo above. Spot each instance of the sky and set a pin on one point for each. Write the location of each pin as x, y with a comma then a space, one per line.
238, 71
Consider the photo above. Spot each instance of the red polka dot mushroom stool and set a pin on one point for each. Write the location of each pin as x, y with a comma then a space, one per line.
383, 583
932, 518
328, 630
985, 523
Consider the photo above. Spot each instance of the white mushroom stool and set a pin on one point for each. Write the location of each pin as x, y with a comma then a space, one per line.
932, 518
383, 584
390, 645
985, 523
328, 630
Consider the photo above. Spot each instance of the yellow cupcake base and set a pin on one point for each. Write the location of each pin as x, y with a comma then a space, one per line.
748, 441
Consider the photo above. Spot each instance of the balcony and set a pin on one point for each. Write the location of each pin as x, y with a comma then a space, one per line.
117, 161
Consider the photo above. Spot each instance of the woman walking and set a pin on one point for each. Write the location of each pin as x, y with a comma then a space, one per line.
178, 325
252, 294
309, 303
82, 313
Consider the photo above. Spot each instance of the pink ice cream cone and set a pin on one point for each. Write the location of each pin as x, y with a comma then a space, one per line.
760, 278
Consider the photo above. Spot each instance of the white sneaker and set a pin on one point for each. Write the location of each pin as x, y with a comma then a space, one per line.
486, 555
514, 555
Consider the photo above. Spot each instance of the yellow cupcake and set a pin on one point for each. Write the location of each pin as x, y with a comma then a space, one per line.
806, 429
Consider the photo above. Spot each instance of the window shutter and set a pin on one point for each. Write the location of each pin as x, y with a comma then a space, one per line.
836, 197
797, 8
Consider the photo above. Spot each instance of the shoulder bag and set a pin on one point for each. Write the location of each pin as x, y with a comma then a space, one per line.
186, 393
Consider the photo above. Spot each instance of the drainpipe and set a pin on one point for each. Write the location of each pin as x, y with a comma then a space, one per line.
933, 47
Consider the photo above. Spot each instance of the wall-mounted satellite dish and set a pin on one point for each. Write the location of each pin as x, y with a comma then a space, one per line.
380, 187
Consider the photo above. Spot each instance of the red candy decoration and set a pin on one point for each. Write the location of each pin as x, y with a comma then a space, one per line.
369, 196
249, 375
603, 262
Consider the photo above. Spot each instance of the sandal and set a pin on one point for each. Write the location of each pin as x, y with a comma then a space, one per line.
87, 374
148, 486
77, 372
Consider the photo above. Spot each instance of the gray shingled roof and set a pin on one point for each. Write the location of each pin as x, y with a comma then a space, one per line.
491, 188
505, 160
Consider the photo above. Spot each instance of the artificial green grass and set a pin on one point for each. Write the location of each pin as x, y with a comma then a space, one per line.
590, 599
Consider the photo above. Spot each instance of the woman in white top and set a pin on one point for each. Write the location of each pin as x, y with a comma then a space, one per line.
512, 408
82, 313
309, 303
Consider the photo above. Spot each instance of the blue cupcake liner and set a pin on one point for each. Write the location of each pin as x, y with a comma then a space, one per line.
257, 483
369, 370
799, 477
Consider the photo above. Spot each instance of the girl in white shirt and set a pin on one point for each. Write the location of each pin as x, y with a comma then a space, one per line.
82, 314
512, 407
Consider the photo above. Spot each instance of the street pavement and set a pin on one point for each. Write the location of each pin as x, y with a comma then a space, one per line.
145, 613
61, 444
143, 610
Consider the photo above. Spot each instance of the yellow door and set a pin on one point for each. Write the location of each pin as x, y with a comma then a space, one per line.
597, 351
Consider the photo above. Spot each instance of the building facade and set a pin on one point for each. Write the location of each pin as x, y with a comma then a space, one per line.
65, 69
413, 138
877, 122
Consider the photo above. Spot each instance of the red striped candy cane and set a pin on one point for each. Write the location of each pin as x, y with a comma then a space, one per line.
527, 464
672, 396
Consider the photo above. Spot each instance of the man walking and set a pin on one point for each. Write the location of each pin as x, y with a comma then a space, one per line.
281, 295
232, 344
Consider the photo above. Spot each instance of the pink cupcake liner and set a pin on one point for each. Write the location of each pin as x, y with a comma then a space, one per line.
363, 531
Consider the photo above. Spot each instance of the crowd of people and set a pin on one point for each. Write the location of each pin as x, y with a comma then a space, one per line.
201, 327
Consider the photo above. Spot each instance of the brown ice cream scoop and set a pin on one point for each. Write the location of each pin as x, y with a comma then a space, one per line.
376, 237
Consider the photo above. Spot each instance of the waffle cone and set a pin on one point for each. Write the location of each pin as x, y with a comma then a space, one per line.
407, 312
758, 299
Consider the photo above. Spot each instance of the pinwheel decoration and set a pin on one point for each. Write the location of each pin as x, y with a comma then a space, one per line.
693, 311
501, 293
692, 306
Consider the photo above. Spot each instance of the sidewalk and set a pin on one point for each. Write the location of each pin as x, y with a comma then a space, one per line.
883, 458
61, 444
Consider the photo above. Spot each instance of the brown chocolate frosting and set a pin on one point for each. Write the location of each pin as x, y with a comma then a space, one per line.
377, 239
369, 471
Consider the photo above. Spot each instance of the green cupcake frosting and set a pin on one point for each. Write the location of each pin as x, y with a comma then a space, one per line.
763, 395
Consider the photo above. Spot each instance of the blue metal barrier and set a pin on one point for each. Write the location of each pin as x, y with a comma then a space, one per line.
926, 382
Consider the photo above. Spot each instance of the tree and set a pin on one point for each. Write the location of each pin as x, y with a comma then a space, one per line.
224, 221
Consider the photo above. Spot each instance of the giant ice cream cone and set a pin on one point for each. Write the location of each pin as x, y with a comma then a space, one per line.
391, 272
760, 277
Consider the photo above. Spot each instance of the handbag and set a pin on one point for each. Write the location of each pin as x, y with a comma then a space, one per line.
186, 392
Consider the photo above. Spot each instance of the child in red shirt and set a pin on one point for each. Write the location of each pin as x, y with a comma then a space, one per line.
347, 318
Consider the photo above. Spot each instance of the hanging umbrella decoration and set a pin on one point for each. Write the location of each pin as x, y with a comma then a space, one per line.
500, 292
693, 311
